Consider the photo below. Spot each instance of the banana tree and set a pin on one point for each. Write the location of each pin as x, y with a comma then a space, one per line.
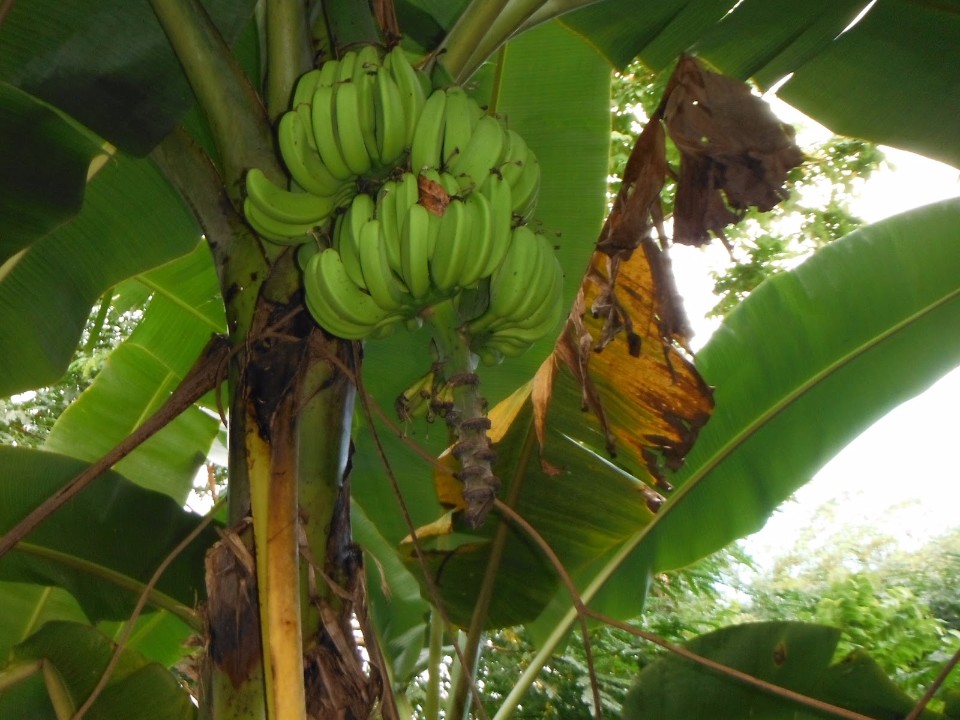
130, 133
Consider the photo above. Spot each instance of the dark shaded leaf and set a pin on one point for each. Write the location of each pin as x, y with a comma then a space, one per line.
107, 64
43, 169
104, 544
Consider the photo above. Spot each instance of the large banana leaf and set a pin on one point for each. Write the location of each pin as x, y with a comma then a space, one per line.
108, 64
104, 544
883, 79
131, 221
184, 311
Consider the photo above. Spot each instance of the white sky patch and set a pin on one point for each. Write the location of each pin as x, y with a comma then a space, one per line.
901, 474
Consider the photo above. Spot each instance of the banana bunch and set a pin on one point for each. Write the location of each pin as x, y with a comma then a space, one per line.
525, 299
351, 118
456, 135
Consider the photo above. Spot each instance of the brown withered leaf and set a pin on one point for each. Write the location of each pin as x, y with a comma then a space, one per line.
734, 152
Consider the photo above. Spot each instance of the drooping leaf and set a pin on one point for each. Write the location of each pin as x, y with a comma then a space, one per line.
27, 606
104, 544
108, 64
795, 656
43, 169
131, 221
184, 312
79, 654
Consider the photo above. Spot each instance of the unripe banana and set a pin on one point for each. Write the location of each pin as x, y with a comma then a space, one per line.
302, 160
411, 90
348, 62
510, 282
390, 224
286, 206
481, 239
514, 157
324, 122
334, 299
391, 120
497, 191
305, 87
274, 230
539, 282
453, 246
349, 128
364, 77
415, 251
482, 154
328, 73
527, 188
384, 287
460, 116
426, 149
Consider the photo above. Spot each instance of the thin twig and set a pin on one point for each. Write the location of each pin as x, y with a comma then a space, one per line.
138, 609
934, 686
198, 381
432, 589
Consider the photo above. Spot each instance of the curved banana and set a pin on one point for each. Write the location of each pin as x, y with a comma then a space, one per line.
482, 154
391, 120
539, 282
347, 63
408, 194
415, 251
389, 217
364, 74
328, 73
334, 299
458, 123
305, 87
302, 160
481, 239
526, 189
323, 119
514, 157
383, 285
285, 206
426, 148
497, 191
510, 282
411, 90
361, 210
274, 230
348, 128
453, 246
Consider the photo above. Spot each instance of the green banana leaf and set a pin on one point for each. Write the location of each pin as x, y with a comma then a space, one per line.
42, 173
795, 656
131, 221
79, 654
107, 64
867, 65
184, 312
103, 545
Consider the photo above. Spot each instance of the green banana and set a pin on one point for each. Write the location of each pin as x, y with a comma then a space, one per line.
274, 230
525, 191
514, 157
383, 285
427, 146
497, 191
324, 122
305, 87
391, 120
302, 160
388, 215
510, 282
364, 75
411, 90
348, 128
360, 211
482, 154
348, 62
452, 247
285, 206
458, 123
481, 239
328, 73
415, 251
335, 301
